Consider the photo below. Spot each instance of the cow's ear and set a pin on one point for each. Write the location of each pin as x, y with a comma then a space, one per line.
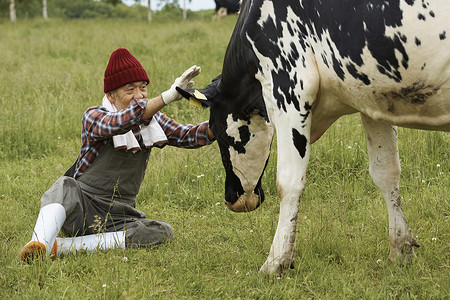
195, 97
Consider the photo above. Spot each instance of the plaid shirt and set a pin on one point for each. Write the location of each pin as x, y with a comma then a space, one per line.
99, 125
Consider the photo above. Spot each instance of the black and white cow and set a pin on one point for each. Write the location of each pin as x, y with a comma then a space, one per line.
296, 66
225, 7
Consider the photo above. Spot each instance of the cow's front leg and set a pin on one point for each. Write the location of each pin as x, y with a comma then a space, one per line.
384, 168
293, 156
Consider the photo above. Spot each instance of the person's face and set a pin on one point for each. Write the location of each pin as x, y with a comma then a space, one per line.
123, 96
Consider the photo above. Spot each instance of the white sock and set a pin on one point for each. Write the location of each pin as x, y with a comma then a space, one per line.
50, 220
92, 242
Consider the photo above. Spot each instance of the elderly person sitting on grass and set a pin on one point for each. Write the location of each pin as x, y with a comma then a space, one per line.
100, 189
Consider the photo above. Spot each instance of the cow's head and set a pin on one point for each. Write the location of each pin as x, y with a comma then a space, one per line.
239, 122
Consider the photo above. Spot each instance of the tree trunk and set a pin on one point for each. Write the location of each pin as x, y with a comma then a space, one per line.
44, 9
12, 10
149, 16
184, 9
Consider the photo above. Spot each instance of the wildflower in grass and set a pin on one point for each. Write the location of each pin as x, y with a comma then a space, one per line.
434, 239
97, 225
200, 176
378, 261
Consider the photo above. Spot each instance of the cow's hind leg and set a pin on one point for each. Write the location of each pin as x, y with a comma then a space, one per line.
384, 168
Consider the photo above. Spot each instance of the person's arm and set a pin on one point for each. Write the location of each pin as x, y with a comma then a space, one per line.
185, 135
152, 107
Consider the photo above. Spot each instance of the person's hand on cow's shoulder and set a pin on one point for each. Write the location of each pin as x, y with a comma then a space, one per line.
184, 82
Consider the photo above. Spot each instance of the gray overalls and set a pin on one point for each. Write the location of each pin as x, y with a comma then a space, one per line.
103, 199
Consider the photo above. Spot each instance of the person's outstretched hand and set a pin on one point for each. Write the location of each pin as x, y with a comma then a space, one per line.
184, 82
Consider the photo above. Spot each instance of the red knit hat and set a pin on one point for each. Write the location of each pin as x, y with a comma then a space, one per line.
123, 68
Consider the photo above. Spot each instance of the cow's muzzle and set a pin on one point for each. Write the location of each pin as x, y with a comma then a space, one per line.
246, 202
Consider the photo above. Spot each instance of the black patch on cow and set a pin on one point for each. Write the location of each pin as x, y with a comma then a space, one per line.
244, 134
337, 66
308, 106
417, 41
432, 13
361, 76
284, 91
421, 17
324, 59
308, 111
410, 2
402, 37
239, 146
300, 142
442, 36
233, 186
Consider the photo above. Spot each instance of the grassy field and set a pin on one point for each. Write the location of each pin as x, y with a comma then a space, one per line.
52, 71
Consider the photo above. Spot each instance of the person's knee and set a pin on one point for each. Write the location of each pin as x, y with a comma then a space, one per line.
67, 192
58, 193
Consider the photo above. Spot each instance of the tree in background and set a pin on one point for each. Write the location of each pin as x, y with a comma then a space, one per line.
175, 2
44, 9
149, 9
184, 9
17, 9
12, 10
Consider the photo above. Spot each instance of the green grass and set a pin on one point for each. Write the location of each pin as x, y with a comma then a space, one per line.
52, 71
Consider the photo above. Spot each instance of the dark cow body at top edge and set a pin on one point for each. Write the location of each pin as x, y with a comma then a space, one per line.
232, 6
